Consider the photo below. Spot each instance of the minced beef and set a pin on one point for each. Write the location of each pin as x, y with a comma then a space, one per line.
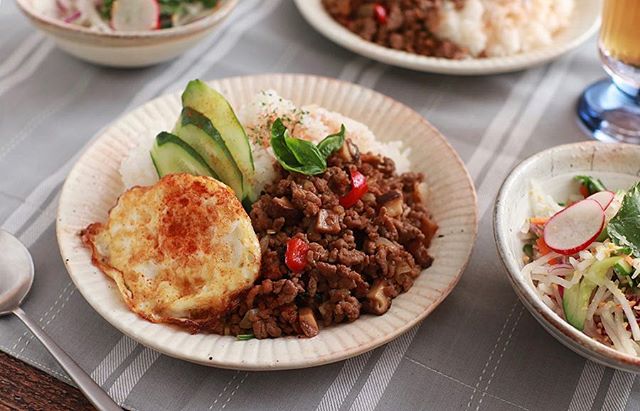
358, 259
409, 24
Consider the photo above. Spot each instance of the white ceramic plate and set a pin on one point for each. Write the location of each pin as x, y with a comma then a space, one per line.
584, 23
94, 184
618, 166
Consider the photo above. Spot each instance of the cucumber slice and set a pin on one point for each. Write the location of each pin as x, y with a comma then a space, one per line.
575, 303
623, 268
196, 130
171, 155
213, 105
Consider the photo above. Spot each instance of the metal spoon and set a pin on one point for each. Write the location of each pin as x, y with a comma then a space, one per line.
16, 278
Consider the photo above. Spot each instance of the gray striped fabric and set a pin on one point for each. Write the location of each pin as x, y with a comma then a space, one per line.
479, 350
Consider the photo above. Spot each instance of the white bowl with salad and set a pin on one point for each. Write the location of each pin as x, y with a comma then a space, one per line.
567, 227
126, 33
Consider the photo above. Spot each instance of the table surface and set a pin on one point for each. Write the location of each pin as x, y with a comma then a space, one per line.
23, 386
479, 350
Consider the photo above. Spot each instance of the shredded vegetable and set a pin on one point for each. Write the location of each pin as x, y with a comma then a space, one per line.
606, 306
97, 14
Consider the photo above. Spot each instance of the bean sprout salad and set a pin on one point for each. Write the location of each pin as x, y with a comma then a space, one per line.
127, 15
582, 258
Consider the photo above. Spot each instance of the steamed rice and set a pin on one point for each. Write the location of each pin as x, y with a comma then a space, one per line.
310, 122
496, 28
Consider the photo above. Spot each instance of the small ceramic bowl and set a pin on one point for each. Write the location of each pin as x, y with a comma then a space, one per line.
126, 49
618, 166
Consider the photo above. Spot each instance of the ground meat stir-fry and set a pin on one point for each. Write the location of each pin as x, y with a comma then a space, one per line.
355, 260
406, 25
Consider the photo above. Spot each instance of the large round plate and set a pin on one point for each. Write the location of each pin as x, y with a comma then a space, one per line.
94, 184
584, 23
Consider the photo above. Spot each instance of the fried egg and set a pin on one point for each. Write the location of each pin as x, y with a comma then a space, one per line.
181, 251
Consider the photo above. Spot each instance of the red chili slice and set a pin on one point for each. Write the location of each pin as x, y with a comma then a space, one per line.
358, 188
380, 13
296, 255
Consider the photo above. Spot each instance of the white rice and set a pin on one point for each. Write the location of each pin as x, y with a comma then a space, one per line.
504, 27
311, 122
137, 168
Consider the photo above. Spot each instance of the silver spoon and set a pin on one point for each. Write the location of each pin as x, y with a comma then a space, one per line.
16, 278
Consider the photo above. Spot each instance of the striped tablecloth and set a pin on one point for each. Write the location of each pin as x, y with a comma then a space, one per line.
479, 350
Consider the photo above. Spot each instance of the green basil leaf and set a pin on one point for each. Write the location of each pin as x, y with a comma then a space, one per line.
332, 143
309, 170
624, 228
298, 156
305, 152
279, 146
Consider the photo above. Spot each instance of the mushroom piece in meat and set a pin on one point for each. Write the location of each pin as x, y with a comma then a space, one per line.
348, 151
308, 322
282, 207
377, 301
392, 201
327, 222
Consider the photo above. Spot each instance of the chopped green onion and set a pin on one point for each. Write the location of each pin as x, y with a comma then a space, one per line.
245, 337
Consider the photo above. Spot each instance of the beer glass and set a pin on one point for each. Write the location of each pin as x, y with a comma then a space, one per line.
610, 108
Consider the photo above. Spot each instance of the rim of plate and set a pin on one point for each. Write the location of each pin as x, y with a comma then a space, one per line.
334, 343
586, 20
216, 15
567, 334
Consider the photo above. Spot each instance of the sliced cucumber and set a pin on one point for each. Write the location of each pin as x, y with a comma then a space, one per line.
623, 268
196, 130
171, 155
213, 105
575, 302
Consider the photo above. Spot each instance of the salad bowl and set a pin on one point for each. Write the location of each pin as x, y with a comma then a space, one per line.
125, 49
617, 166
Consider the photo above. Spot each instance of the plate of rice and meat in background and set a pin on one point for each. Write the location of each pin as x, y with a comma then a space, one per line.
267, 222
464, 37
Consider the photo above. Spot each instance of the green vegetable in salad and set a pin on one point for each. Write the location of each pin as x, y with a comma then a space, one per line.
575, 302
527, 249
624, 227
169, 9
592, 184
301, 156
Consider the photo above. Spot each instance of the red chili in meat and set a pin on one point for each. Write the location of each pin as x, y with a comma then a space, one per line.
358, 188
296, 255
380, 13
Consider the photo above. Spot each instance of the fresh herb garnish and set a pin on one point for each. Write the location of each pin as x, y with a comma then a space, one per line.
332, 142
302, 156
245, 337
624, 228
593, 185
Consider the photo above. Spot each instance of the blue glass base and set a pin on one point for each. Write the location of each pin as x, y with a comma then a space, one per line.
610, 115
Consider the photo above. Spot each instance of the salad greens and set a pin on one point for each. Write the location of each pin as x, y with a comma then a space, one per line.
169, 9
593, 185
624, 227
302, 156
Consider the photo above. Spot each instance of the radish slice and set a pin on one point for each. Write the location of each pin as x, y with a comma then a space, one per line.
135, 15
604, 198
572, 230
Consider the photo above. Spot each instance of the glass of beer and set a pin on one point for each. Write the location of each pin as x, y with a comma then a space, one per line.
610, 108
